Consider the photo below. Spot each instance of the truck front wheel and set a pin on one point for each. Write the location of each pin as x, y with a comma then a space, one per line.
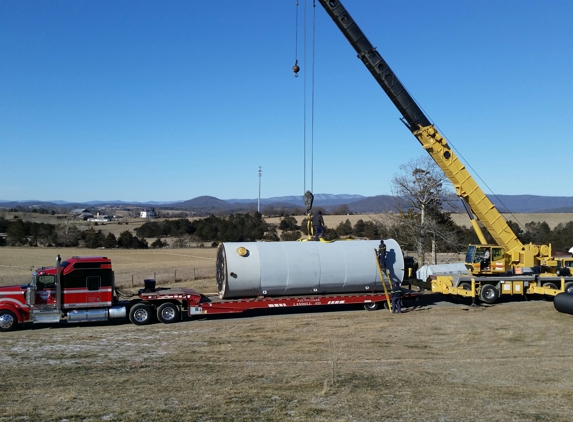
488, 294
168, 313
140, 314
8, 321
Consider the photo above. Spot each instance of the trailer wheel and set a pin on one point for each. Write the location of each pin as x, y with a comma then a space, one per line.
466, 286
372, 306
488, 294
8, 321
140, 314
569, 287
168, 313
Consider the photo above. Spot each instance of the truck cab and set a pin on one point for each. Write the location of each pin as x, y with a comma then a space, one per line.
78, 289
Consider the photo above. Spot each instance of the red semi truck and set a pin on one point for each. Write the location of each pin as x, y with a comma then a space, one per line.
82, 289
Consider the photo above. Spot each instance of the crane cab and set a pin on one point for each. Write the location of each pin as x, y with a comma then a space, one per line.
486, 259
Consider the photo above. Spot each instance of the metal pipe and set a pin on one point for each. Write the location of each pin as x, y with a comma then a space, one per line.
253, 269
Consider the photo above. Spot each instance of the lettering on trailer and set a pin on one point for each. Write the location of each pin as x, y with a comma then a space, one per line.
307, 302
336, 302
276, 305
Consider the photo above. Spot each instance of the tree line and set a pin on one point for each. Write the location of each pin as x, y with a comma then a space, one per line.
237, 227
27, 233
252, 227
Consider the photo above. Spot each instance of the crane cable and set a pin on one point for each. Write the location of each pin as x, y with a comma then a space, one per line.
312, 97
296, 69
308, 197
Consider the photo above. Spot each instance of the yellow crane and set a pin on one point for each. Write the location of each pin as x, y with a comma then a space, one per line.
506, 267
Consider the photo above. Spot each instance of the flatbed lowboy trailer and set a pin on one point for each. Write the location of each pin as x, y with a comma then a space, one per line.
82, 289
172, 304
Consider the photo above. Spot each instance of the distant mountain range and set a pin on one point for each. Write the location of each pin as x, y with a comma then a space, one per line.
356, 203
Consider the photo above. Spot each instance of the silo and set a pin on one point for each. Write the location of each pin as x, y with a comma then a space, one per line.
252, 269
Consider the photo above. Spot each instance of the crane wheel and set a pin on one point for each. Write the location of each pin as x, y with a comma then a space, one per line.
569, 287
488, 294
549, 286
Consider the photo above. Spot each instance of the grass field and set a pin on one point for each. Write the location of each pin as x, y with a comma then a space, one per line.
439, 361
165, 265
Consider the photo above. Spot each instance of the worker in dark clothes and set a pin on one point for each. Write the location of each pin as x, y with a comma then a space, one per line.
382, 255
318, 225
396, 294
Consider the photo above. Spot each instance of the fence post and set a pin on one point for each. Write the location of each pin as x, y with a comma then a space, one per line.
193, 273
154, 275
175, 279
132, 281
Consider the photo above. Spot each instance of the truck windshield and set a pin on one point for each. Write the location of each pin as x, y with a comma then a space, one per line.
42, 281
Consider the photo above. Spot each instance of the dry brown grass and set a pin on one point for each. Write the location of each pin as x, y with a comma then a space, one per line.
162, 264
510, 361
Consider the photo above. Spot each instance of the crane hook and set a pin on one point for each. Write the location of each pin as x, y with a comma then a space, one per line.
296, 69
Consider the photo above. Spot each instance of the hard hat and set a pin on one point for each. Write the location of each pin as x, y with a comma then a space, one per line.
571, 250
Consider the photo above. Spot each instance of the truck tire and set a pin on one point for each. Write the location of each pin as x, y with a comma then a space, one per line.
466, 286
168, 313
569, 287
488, 294
140, 314
372, 306
8, 321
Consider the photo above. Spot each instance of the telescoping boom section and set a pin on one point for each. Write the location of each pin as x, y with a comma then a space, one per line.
515, 253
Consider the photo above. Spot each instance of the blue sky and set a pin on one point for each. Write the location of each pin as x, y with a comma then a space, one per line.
169, 100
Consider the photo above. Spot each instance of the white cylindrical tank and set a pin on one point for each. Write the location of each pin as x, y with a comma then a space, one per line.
251, 269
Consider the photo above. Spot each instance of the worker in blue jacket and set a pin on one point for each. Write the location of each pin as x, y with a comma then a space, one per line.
382, 255
396, 294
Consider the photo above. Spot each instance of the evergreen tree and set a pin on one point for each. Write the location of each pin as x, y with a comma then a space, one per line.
110, 241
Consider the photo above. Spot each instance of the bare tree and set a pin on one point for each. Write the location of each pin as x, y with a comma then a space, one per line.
68, 233
421, 189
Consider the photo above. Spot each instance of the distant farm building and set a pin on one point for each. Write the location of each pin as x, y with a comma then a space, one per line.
147, 214
81, 213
